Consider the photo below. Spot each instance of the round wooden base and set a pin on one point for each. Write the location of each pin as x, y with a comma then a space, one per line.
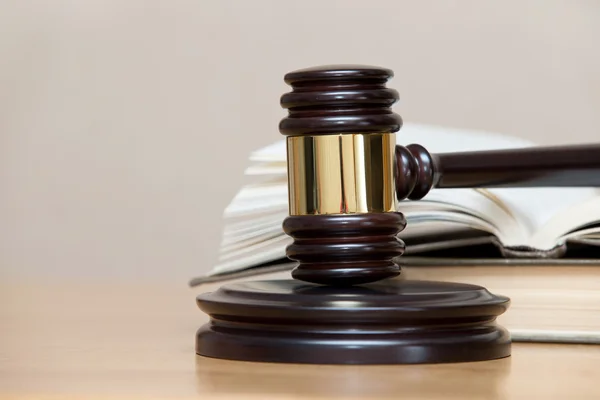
387, 322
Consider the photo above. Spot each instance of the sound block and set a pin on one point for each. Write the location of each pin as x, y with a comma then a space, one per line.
388, 322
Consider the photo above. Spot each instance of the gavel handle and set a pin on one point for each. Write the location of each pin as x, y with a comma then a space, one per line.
568, 166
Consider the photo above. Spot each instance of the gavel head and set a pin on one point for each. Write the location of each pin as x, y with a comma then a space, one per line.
342, 174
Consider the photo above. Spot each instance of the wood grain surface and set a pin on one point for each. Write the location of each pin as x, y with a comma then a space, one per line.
75, 340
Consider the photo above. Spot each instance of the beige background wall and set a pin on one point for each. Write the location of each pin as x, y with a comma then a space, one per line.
125, 125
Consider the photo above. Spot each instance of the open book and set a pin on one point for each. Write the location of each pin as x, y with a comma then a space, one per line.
518, 222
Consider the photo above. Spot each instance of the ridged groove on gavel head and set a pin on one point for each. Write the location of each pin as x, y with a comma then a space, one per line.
339, 99
343, 250
416, 172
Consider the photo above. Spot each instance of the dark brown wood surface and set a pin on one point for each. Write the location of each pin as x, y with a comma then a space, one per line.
388, 322
345, 249
557, 166
339, 99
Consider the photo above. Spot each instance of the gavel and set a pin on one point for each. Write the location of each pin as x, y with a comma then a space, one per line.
346, 303
346, 173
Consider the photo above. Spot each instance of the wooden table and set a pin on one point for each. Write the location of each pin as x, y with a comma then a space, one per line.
76, 340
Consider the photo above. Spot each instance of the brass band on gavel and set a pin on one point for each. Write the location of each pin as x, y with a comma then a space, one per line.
341, 174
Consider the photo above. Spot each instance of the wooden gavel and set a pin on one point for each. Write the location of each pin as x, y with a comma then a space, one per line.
345, 177
346, 173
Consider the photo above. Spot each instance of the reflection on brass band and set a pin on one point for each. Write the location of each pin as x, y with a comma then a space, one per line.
341, 174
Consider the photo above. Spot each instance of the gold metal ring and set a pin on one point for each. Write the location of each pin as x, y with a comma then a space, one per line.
341, 174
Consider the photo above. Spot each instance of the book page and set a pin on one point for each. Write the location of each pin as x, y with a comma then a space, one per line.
484, 212
535, 207
571, 222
